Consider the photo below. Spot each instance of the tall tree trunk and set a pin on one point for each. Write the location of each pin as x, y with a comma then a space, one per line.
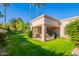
30, 12
5, 15
43, 9
36, 10
5, 6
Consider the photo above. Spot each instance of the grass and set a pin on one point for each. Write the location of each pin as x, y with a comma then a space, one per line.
20, 44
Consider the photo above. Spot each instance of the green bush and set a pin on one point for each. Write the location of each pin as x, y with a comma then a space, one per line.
73, 30
29, 33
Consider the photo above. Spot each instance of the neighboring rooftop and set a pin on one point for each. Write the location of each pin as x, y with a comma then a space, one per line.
66, 19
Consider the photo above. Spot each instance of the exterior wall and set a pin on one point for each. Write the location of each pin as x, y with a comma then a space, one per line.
62, 30
37, 22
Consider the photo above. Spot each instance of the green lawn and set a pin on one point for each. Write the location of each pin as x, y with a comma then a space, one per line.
20, 44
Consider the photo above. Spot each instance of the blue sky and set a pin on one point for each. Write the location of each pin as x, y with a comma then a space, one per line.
56, 10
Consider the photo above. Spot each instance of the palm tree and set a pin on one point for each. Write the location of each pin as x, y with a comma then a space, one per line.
12, 24
1, 15
43, 7
37, 6
17, 24
30, 11
5, 7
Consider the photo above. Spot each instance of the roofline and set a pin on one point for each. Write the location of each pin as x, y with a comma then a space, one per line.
44, 16
52, 18
66, 19
37, 18
70, 18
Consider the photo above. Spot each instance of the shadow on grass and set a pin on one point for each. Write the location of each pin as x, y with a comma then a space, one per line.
20, 46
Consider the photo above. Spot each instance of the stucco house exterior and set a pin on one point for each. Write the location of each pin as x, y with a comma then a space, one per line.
45, 27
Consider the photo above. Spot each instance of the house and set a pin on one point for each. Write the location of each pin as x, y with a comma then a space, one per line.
46, 28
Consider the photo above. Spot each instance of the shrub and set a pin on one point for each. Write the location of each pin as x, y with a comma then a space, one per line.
29, 33
73, 30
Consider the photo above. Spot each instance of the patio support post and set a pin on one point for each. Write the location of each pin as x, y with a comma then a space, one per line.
44, 30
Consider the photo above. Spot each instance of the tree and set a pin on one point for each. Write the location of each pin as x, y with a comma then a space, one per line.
30, 11
12, 25
17, 24
73, 30
28, 25
37, 5
43, 7
5, 5
1, 15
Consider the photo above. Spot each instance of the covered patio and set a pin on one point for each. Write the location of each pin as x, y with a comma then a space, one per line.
45, 28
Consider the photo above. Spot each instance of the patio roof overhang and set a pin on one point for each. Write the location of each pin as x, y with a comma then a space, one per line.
45, 19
